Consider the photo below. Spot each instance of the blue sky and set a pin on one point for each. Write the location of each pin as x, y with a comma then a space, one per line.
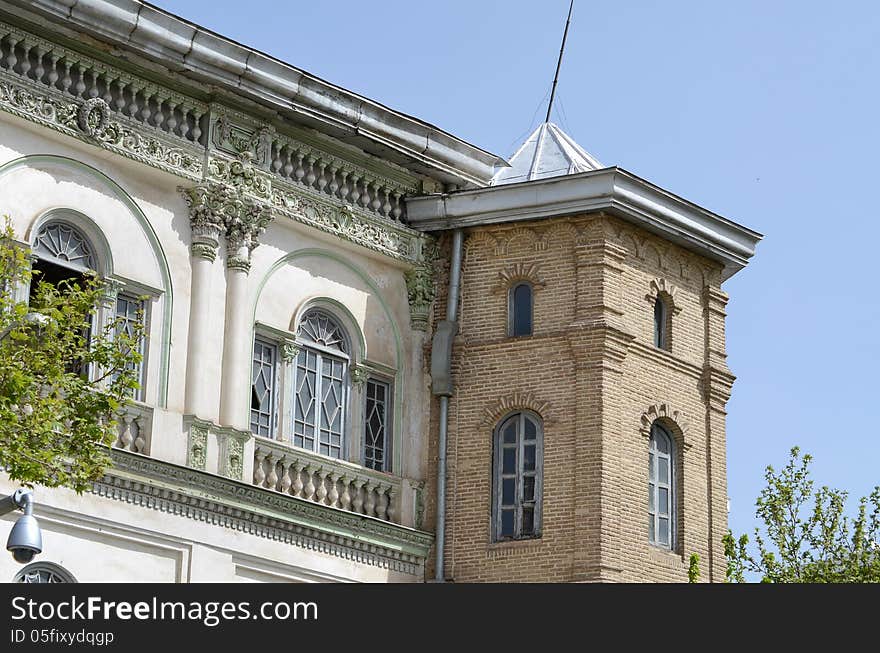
765, 112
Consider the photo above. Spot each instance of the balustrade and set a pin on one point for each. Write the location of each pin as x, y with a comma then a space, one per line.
338, 484
133, 423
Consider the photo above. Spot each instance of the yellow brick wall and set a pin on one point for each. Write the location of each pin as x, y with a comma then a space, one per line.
591, 372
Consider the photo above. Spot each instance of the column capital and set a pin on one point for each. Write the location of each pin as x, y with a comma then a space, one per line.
217, 209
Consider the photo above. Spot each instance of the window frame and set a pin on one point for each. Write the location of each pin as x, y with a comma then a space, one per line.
654, 487
276, 389
512, 308
342, 355
498, 475
387, 449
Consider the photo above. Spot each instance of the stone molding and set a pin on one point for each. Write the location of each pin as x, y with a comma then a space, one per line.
232, 504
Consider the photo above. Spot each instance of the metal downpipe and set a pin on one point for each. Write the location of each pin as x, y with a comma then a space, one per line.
452, 327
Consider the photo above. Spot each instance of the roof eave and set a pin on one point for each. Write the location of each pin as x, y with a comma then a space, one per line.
613, 190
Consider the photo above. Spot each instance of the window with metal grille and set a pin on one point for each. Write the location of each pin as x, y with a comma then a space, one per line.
376, 432
129, 315
263, 383
520, 310
661, 502
320, 385
517, 486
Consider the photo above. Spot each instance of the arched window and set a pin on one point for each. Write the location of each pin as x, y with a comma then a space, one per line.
64, 255
320, 385
661, 323
43, 572
661, 487
520, 310
517, 483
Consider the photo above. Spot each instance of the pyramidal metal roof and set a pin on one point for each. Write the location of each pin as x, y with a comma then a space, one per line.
547, 152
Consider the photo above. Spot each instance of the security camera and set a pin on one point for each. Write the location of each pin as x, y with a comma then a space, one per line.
25, 539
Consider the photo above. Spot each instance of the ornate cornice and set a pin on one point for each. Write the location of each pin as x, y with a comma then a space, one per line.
232, 504
207, 143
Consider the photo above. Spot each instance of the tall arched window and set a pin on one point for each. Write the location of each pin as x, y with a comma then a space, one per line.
661, 487
661, 323
64, 254
517, 483
320, 385
520, 310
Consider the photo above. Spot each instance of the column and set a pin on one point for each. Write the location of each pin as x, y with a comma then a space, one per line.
244, 224
206, 224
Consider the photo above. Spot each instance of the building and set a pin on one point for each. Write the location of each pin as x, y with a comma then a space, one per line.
333, 290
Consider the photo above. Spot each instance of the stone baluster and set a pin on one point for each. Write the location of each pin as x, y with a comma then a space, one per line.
93, 83
52, 76
333, 494
300, 172
344, 188
39, 70
345, 497
287, 170
275, 158
259, 474
370, 499
146, 112
321, 491
133, 107
108, 89
309, 490
140, 443
272, 477
121, 87
386, 204
355, 193
286, 481
333, 186
297, 479
382, 502
322, 178
161, 112
357, 502
25, 61
376, 204
125, 436
391, 510
171, 123
11, 59
310, 168
397, 211
197, 126
66, 77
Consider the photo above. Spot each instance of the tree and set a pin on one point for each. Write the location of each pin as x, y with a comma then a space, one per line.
807, 536
61, 381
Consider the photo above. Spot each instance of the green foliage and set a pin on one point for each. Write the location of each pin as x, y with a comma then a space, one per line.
694, 568
807, 536
56, 420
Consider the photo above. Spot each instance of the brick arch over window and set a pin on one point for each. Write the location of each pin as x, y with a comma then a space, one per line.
517, 273
662, 288
674, 421
517, 401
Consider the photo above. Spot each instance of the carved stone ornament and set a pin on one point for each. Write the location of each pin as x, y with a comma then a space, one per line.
197, 449
289, 351
421, 288
93, 117
216, 208
359, 374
